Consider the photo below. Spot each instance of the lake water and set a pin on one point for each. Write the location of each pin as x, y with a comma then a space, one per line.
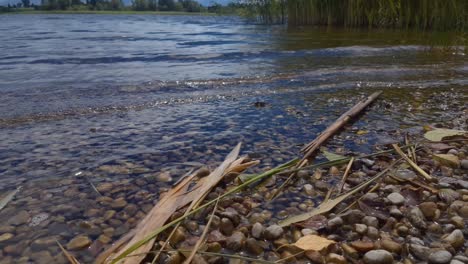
124, 99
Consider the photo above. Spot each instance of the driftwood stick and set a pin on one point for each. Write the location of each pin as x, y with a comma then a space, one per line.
345, 175
310, 148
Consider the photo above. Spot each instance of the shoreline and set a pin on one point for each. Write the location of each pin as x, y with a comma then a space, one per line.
106, 12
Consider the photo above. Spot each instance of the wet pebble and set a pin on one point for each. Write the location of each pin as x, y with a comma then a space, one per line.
428, 209
20, 218
257, 230
456, 238
419, 251
178, 236
334, 223
391, 246
464, 164
308, 189
119, 203
416, 217
79, 242
226, 226
378, 256
273, 232
396, 198
5, 237
253, 246
440, 257
235, 241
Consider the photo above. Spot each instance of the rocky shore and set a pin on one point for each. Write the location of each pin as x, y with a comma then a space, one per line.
402, 219
397, 222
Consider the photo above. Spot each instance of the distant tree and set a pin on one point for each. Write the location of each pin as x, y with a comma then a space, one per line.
26, 3
116, 4
167, 5
191, 6
153, 5
140, 5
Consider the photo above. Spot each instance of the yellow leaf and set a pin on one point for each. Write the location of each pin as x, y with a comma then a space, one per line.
313, 242
362, 132
448, 160
439, 134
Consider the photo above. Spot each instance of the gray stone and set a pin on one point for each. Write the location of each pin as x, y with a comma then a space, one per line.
253, 246
360, 228
257, 230
236, 241
20, 218
440, 257
420, 252
373, 232
308, 189
463, 184
226, 226
378, 256
396, 198
335, 223
79, 242
428, 209
456, 238
416, 218
464, 164
273, 232
353, 216
371, 221
461, 258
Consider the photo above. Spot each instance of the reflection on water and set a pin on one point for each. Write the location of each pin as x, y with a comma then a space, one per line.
130, 103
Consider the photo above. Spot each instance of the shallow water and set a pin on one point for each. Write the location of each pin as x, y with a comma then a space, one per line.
123, 99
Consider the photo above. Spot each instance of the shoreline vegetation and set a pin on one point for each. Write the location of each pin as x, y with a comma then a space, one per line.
108, 12
437, 15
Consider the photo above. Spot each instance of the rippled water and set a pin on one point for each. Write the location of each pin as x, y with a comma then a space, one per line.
123, 99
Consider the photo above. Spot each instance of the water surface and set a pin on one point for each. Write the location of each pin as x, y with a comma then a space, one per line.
93, 99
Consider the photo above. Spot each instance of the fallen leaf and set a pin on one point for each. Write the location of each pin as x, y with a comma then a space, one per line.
362, 132
313, 242
439, 134
332, 156
448, 160
316, 222
5, 200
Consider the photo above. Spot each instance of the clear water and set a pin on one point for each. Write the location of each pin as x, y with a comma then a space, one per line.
147, 94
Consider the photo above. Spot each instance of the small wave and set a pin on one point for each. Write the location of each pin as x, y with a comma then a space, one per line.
12, 57
83, 31
209, 42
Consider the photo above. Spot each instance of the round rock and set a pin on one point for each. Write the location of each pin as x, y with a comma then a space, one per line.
273, 232
396, 198
79, 242
378, 256
440, 257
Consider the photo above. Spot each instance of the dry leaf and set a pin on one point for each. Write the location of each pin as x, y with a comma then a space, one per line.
448, 160
439, 134
331, 156
313, 242
362, 132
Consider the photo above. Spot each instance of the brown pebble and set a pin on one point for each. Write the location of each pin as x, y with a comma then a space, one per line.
362, 246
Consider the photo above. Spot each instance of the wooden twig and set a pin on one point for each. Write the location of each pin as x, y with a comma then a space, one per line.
310, 148
412, 164
345, 175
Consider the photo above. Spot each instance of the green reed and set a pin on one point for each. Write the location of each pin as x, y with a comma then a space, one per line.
446, 15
